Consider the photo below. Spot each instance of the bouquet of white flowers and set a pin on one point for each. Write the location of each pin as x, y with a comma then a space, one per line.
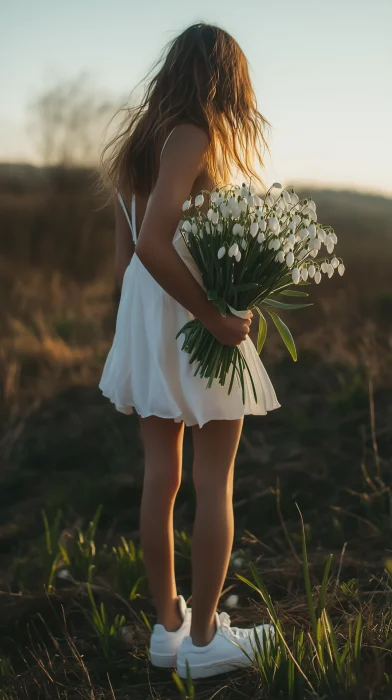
250, 250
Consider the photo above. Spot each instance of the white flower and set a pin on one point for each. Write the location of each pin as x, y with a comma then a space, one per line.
304, 273
341, 269
286, 247
238, 229
321, 234
294, 199
335, 263
244, 191
64, 574
238, 256
243, 205
330, 247
224, 209
214, 196
232, 601
221, 252
302, 254
199, 200
297, 219
233, 250
271, 244
251, 200
290, 259
312, 231
276, 243
194, 228
317, 276
334, 238
306, 221
312, 205
330, 270
262, 224
277, 185
313, 253
258, 201
252, 190
295, 275
311, 270
280, 256
186, 204
187, 226
215, 217
219, 227
219, 199
273, 223
324, 267
207, 227
291, 239
313, 215
232, 204
286, 197
260, 237
269, 201
254, 227
243, 244
303, 233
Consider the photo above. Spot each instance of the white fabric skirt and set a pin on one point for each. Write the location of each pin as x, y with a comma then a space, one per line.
146, 369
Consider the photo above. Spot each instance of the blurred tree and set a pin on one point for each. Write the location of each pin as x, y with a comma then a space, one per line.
68, 120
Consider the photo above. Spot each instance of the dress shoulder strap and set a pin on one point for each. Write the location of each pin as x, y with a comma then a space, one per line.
131, 223
166, 140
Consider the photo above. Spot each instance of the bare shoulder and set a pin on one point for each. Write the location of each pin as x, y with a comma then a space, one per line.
187, 139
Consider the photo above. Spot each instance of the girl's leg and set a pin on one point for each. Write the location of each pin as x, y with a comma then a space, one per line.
162, 439
215, 448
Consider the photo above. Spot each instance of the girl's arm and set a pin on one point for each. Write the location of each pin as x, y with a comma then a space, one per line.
124, 243
181, 162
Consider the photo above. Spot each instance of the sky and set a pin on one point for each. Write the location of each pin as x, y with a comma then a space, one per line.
320, 68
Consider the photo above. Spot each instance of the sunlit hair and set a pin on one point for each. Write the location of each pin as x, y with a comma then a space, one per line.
201, 78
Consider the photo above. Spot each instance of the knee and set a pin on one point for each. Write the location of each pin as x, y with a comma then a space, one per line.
213, 481
164, 484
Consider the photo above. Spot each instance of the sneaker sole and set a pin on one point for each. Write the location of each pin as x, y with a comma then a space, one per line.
163, 660
213, 669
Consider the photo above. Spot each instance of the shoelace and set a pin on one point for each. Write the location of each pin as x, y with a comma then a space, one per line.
229, 631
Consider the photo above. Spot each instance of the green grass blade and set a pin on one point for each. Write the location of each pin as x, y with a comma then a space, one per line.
324, 583
308, 587
283, 305
293, 293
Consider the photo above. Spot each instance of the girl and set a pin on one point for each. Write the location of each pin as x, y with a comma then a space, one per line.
198, 120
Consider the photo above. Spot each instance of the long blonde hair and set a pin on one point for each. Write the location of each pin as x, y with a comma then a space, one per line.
202, 78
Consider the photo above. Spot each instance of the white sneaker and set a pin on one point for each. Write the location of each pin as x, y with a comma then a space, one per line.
225, 651
164, 645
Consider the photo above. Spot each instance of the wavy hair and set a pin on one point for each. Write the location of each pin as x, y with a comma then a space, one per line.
201, 78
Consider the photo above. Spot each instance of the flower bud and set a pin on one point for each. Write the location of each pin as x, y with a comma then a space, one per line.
322, 235
254, 227
341, 269
221, 252
304, 273
186, 204
214, 217
243, 244
334, 238
286, 196
317, 276
277, 185
294, 199
244, 191
252, 190
209, 214
280, 256
335, 263
199, 200
233, 250
194, 229
262, 224
303, 234
291, 239
295, 275
290, 259
260, 237
238, 256
301, 254
187, 226
238, 230
311, 270
330, 270
250, 199
273, 223
324, 267
214, 196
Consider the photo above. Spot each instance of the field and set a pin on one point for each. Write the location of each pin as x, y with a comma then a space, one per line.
313, 495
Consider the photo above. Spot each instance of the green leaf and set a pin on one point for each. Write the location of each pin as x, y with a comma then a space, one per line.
294, 293
221, 304
285, 334
282, 305
212, 294
262, 333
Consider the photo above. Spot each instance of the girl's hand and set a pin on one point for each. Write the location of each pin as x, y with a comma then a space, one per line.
230, 329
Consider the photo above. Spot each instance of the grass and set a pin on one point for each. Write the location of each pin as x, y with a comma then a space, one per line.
313, 487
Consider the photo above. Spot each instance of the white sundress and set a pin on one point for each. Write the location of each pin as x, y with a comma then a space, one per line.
146, 369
